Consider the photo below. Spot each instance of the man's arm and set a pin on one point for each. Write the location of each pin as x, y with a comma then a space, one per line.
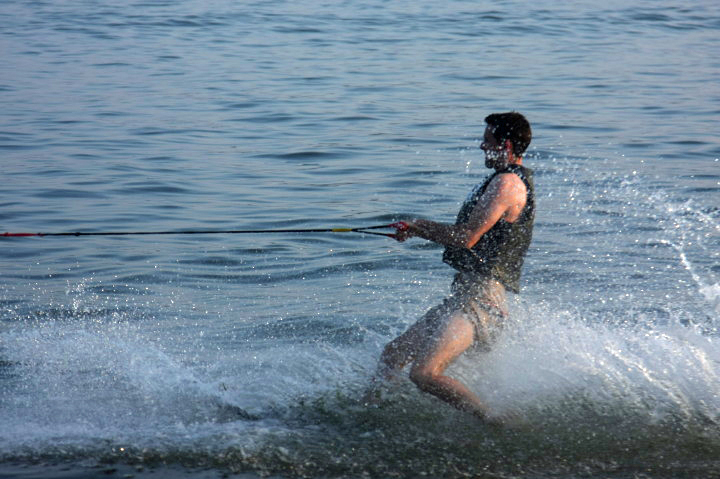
504, 198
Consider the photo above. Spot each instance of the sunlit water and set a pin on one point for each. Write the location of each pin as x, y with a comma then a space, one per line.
249, 353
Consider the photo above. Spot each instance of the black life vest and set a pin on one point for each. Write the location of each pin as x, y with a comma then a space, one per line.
499, 254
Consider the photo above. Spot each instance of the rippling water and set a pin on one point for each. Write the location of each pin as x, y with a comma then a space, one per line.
211, 354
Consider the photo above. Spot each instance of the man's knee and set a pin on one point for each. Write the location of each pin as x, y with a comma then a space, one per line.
389, 351
424, 377
396, 354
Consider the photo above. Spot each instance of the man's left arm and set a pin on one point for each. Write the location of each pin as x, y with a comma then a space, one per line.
504, 194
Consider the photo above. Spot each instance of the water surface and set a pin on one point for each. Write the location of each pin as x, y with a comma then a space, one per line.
139, 351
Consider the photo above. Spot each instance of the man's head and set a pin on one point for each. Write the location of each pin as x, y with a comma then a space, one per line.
507, 135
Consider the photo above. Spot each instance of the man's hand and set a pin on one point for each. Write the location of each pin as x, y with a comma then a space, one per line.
415, 228
404, 230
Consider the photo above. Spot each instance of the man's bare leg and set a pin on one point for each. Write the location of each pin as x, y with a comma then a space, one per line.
432, 347
452, 339
402, 350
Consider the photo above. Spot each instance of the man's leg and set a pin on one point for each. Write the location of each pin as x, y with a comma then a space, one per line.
453, 338
403, 349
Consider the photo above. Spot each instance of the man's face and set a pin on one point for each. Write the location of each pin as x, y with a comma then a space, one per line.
495, 154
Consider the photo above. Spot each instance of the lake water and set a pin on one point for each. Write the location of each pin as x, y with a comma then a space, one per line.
128, 354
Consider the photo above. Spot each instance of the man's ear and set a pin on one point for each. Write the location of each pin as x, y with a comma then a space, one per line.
509, 149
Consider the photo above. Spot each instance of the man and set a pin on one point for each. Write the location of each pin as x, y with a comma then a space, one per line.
486, 246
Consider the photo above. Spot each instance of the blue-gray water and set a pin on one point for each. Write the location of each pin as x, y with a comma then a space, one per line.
154, 115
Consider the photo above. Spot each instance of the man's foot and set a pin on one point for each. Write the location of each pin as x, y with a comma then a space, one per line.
375, 393
511, 419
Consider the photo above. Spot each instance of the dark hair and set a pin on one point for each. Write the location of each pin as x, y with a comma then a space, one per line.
511, 126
